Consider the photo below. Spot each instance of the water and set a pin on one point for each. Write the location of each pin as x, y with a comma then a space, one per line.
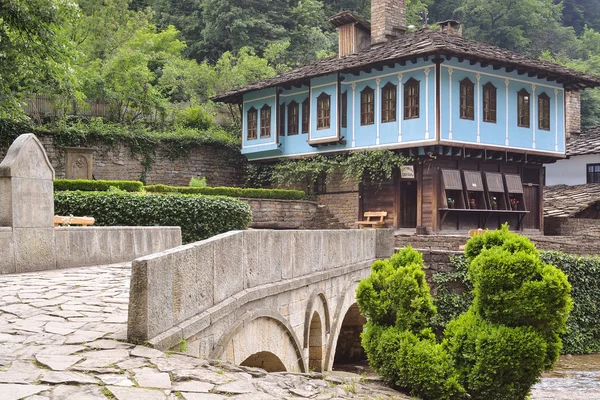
573, 378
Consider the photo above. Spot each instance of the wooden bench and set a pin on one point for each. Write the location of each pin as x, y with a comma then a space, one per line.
83, 221
371, 221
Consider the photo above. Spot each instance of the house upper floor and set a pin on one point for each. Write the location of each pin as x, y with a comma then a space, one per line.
418, 89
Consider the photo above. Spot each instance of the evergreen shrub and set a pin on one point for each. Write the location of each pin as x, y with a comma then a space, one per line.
199, 217
87, 185
277, 194
497, 349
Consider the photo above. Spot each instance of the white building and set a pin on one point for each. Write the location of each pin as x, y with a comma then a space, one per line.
582, 165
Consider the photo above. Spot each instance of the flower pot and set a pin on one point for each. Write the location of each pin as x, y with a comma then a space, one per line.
515, 207
451, 206
494, 207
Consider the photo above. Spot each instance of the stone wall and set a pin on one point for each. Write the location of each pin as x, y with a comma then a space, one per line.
290, 214
571, 226
220, 166
341, 198
573, 112
578, 244
386, 17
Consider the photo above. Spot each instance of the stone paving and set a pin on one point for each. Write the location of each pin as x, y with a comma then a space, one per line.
62, 337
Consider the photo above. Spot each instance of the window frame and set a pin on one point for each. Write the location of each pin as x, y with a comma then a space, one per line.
412, 100
323, 111
252, 111
389, 105
591, 174
367, 106
522, 96
467, 100
306, 115
265, 122
293, 110
490, 103
544, 112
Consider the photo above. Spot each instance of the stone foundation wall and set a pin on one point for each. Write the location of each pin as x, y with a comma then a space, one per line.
285, 214
220, 166
582, 245
571, 226
342, 200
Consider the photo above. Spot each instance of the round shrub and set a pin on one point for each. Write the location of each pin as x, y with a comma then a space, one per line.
199, 217
397, 338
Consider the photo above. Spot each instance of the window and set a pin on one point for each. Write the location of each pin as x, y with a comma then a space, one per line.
252, 123
292, 118
265, 122
282, 119
388, 103
411, 99
367, 106
345, 109
323, 111
523, 108
489, 103
544, 112
467, 99
593, 173
320, 185
305, 115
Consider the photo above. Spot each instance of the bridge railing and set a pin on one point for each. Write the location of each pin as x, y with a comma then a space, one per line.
171, 287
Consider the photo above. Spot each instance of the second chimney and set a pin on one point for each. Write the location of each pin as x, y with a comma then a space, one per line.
388, 20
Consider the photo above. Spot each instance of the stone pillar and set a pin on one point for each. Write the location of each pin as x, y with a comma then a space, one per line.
27, 203
572, 113
388, 20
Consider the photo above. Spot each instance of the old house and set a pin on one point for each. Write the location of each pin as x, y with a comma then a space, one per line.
479, 122
582, 165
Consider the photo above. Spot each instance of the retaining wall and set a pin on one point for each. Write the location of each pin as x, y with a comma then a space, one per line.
42, 249
571, 226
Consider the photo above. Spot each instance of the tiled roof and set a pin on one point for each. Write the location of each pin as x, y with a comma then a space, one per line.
424, 42
566, 201
587, 142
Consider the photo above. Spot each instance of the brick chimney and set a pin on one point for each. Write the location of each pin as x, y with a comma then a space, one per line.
572, 113
388, 20
451, 27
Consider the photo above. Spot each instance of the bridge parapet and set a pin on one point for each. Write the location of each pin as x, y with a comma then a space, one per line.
212, 285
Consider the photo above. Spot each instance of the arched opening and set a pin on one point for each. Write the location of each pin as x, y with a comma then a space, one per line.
315, 344
265, 360
349, 349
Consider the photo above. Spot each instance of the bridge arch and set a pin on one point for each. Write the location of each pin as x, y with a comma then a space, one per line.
317, 326
261, 336
346, 304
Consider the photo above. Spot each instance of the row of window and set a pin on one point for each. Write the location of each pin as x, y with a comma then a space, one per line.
388, 108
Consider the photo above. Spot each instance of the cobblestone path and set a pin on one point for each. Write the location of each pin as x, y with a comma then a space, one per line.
62, 337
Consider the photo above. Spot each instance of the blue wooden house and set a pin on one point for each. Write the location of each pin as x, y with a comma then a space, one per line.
477, 121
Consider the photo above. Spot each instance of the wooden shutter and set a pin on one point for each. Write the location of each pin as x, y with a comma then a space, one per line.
473, 181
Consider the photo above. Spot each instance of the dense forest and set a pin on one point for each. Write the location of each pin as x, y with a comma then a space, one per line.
168, 57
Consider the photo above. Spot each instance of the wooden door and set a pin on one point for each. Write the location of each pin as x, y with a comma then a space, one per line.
408, 204
531, 195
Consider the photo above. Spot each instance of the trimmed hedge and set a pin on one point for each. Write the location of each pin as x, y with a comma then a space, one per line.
199, 217
582, 334
87, 185
278, 194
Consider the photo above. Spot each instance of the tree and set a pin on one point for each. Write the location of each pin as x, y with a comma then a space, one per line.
35, 53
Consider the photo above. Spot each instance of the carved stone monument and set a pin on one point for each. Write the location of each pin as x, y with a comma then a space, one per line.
27, 203
80, 162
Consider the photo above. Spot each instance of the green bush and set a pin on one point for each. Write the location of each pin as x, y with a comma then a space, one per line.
87, 185
510, 333
199, 217
231, 191
198, 182
582, 334
397, 338
495, 350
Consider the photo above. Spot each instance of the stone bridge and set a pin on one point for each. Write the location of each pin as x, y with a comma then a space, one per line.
279, 300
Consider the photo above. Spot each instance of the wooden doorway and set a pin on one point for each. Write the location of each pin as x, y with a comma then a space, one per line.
408, 204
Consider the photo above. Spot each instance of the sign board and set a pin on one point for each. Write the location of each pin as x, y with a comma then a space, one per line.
407, 172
